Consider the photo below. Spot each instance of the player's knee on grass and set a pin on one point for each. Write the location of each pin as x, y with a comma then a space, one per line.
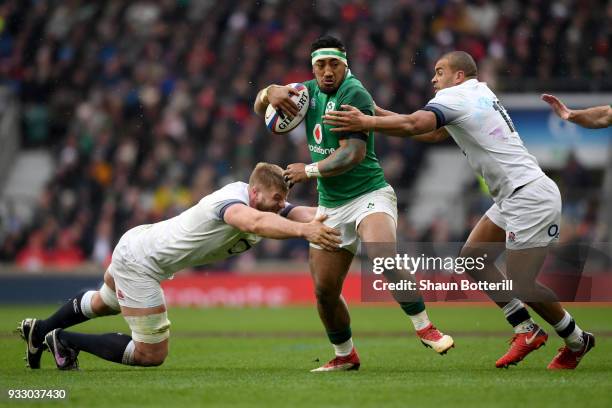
150, 334
149, 329
150, 355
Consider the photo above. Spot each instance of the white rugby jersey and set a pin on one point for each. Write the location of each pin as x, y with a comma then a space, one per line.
197, 236
482, 128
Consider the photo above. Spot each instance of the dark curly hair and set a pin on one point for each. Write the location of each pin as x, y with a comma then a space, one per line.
327, 41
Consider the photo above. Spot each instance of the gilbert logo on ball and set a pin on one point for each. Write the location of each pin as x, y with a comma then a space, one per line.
317, 133
278, 122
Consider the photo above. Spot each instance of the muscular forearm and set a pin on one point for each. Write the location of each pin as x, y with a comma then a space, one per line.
432, 137
594, 118
380, 112
383, 112
397, 133
302, 214
270, 225
394, 125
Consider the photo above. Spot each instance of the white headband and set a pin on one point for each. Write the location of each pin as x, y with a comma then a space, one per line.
323, 53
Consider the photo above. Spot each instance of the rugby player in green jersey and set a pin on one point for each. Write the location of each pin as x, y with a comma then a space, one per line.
353, 193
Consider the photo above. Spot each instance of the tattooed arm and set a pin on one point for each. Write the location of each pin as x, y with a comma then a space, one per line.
351, 152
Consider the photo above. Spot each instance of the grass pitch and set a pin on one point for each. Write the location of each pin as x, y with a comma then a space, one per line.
262, 357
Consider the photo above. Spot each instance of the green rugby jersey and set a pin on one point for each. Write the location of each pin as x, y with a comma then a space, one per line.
367, 176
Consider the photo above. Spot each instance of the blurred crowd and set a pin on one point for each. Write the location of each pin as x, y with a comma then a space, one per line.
147, 105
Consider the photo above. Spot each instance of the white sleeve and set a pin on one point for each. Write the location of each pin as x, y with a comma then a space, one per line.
228, 196
449, 108
222, 206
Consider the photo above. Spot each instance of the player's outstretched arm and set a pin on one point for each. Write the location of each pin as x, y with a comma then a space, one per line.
270, 225
353, 120
436, 136
378, 111
279, 97
302, 213
594, 118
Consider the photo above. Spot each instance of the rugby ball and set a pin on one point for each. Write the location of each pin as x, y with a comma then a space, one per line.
278, 122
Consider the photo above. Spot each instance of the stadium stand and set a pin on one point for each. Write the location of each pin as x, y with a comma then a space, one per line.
146, 106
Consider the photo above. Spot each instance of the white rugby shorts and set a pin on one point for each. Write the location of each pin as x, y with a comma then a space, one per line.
531, 216
134, 289
347, 217
134, 286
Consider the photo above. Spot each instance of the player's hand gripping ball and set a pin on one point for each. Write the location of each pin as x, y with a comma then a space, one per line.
279, 121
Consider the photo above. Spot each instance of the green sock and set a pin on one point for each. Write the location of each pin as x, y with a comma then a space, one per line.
340, 336
412, 308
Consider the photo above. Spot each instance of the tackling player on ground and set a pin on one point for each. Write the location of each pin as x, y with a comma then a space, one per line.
526, 214
225, 223
353, 192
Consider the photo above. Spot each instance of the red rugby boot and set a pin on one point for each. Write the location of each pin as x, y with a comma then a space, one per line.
347, 363
522, 344
568, 359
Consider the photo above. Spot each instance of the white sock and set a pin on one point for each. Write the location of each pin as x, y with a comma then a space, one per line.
343, 349
512, 307
564, 322
420, 320
524, 327
128, 354
574, 339
86, 304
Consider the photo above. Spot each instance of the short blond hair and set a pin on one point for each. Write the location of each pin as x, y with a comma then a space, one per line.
268, 176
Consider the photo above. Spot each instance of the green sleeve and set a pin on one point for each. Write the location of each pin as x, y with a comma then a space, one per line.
360, 99
310, 84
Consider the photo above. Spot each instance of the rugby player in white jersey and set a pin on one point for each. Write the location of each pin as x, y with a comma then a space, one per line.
526, 213
225, 223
